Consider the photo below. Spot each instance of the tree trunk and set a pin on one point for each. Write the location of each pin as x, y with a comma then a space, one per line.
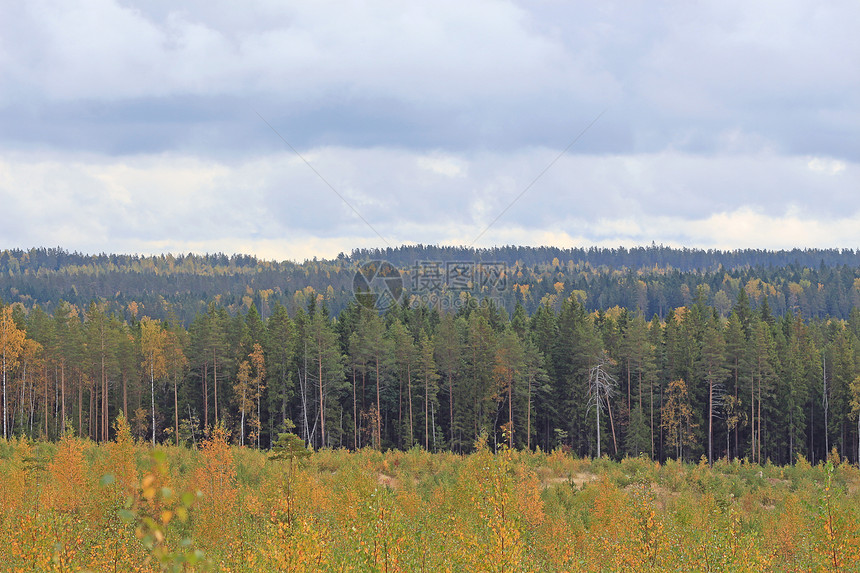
63, 398
612, 425
758, 448
215, 382
206, 395
81, 407
5, 434
752, 416
529, 418
354, 414
409, 397
322, 396
46, 401
152, 388
104, 408
378, 408
510, 411
176, 408
242, 423
426, 412
737, 404
451, 404
651, 407
710, 420
598, 427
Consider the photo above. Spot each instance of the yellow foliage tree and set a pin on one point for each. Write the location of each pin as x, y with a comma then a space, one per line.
153, 343
11, 344
677, 418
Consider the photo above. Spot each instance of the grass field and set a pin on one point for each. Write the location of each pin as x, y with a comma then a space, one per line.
76, 505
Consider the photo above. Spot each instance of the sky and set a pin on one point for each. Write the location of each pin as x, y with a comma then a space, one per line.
293, 130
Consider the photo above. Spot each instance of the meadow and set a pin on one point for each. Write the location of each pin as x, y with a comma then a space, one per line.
76, 505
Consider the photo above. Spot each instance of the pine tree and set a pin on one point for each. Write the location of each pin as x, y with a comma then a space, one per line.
448, 349
403, 356
279, 348
430, 377
327, 363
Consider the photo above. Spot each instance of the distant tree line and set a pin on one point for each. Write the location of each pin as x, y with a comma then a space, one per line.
814, 283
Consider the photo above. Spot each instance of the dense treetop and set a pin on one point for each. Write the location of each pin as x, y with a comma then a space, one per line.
815, 283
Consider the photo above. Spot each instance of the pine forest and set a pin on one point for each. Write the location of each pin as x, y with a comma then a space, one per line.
646, 409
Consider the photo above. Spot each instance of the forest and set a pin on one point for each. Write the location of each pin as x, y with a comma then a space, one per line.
735, 368
816, 283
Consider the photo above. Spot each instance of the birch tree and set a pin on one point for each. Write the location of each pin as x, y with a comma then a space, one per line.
11, 344
153, 342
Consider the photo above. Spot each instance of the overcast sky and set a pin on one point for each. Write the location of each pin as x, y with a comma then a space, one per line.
142, 127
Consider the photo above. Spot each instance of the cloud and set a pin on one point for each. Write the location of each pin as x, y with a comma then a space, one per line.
276, 204
143, 77
133, 125
826, 166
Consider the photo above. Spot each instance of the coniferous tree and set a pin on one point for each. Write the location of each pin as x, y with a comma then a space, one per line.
577, 347
448, 348
279, 349
402, 358
327, 365
429, 376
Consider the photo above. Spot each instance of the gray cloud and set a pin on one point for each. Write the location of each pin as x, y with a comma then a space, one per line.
133, 126
86, 201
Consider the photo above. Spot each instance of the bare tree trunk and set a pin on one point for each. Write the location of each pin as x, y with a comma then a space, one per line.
5, 433
628, 387
81, 407
104, 408
378, 408
242, 424
737, 404
409, 397
304, 387
826, 407
510, 411
152, 388
598, 427
215, 382
176, 408
529, 417
752, 415
46, 401
612, 425
758, 448
354, 414
63, 396
322, 398
651, 407
710, 419
451, 404
206, 395
426, 412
